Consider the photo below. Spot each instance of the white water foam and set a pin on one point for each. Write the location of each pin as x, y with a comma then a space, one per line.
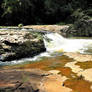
55, 42
35, 58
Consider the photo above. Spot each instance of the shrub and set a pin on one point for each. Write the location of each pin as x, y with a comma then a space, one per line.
20, 25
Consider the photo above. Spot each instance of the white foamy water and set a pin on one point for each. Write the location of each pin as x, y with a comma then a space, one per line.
35, 58
56, 43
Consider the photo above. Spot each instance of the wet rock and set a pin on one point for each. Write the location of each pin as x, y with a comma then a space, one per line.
31, 80
20, 44
17, 87
87, 74
79, 57
54, 72
25, 87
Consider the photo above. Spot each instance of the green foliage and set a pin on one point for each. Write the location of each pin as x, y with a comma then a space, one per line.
82, 26
13, 12
89, 12
20, 25
11, 6
79, 14
61, 23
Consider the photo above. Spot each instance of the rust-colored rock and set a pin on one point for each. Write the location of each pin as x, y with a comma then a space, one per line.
31, 80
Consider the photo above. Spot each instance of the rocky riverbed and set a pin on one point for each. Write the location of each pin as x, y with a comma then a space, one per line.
57, 74
70, 72
32, 80
20, 44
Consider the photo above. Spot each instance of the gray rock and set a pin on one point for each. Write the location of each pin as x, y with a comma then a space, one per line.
20, 44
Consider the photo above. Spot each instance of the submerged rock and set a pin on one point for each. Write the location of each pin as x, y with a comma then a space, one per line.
20, 44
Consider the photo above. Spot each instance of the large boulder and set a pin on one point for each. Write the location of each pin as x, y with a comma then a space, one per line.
20, 44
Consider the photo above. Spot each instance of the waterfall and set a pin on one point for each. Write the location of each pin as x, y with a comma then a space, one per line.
54, 42
55, 45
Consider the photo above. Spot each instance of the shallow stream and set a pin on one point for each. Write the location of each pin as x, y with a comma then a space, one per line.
56, 45
54, 59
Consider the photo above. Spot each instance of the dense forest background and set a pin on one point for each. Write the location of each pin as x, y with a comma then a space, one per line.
14, 12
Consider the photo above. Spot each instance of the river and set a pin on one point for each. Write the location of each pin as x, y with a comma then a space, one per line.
55, 59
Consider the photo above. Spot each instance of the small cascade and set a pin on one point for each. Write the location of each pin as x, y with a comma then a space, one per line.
55, 45
54, 42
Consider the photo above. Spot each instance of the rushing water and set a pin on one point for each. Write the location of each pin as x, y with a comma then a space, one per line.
55, 45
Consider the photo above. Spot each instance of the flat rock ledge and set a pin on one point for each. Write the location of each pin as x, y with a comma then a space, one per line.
20, 44
31, 80
79, 57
